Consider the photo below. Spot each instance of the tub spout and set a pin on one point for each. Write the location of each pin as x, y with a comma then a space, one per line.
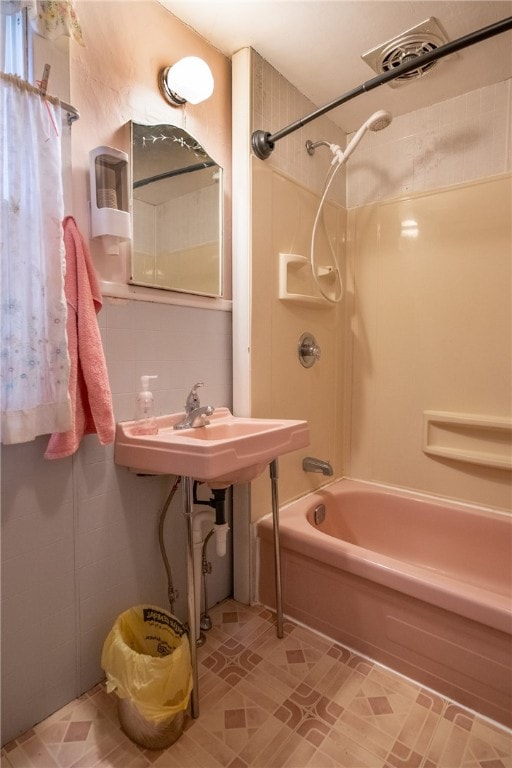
311, 464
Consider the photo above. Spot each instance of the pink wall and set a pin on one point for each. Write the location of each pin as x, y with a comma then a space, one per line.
114, 80
78, 534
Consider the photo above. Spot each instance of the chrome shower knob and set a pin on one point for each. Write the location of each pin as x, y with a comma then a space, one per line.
309, 351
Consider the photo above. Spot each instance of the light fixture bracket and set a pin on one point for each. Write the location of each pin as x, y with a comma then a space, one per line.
169, 95
188, 80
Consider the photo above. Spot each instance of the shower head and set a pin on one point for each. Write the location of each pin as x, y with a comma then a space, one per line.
379, 120
376, 122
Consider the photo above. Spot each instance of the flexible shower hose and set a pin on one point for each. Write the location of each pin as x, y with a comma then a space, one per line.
328, 181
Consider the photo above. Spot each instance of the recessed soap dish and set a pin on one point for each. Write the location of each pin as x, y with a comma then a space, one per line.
296, 281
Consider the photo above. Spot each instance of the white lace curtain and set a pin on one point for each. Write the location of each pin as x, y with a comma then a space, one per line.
34, 356
49, 18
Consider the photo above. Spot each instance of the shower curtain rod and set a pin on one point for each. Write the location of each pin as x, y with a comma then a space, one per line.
263, 142
171, 174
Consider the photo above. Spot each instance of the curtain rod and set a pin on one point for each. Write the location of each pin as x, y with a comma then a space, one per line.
72, 112
263, 142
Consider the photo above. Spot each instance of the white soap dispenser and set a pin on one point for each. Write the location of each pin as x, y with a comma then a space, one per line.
110, 198
146, 424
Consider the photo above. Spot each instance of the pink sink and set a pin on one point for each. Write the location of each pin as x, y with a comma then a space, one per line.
229, 450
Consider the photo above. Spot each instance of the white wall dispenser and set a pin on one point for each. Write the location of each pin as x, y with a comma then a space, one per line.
110, 210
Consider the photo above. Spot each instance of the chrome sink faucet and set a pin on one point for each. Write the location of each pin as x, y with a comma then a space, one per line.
196, 414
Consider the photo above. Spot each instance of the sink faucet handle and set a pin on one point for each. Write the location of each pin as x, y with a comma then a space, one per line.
193, 398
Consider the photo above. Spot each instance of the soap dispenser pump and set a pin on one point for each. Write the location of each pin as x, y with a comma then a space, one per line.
146, 424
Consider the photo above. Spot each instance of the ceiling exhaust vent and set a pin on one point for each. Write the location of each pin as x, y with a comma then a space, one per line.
423, 38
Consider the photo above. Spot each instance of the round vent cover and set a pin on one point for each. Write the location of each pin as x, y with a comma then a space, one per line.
403, 53
421, 39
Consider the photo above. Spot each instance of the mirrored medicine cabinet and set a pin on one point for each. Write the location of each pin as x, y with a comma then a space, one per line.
177, 212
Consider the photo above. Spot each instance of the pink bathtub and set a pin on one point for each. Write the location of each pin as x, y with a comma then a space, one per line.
419, 584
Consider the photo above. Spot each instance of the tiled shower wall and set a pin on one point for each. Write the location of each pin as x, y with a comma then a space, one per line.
277, 103
80, 535
451, 142
456, 141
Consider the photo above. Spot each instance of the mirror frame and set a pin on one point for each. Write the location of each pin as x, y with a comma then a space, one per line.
219, 277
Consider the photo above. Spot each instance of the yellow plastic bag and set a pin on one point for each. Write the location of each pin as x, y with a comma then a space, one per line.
146, 658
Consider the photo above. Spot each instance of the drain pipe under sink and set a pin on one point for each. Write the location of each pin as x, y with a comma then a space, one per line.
220, 529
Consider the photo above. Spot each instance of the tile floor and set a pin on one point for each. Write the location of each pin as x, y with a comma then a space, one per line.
299, 702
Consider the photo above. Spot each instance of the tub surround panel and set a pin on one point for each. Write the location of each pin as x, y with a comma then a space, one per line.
284, 194
432, 331
281, 386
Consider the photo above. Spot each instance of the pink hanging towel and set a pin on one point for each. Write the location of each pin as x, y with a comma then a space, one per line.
89, 389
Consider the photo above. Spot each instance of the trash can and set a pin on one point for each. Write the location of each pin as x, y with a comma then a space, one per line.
146, 659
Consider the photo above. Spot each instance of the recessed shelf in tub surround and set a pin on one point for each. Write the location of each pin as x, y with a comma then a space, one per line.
470, 438
296, 282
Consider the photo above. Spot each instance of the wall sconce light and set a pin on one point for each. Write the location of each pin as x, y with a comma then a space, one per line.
190, 79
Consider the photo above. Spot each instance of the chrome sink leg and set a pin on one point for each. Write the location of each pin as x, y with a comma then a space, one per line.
187, 487
274, 474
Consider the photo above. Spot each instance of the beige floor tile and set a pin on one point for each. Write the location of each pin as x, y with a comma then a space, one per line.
468, 742
297, 702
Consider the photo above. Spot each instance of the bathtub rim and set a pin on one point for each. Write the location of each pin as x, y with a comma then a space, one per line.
408, 493
475, 603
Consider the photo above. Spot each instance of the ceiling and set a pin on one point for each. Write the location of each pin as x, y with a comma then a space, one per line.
317, 45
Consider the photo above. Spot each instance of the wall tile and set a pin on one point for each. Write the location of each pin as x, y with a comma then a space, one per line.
452, 142
82, 526
276, 104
